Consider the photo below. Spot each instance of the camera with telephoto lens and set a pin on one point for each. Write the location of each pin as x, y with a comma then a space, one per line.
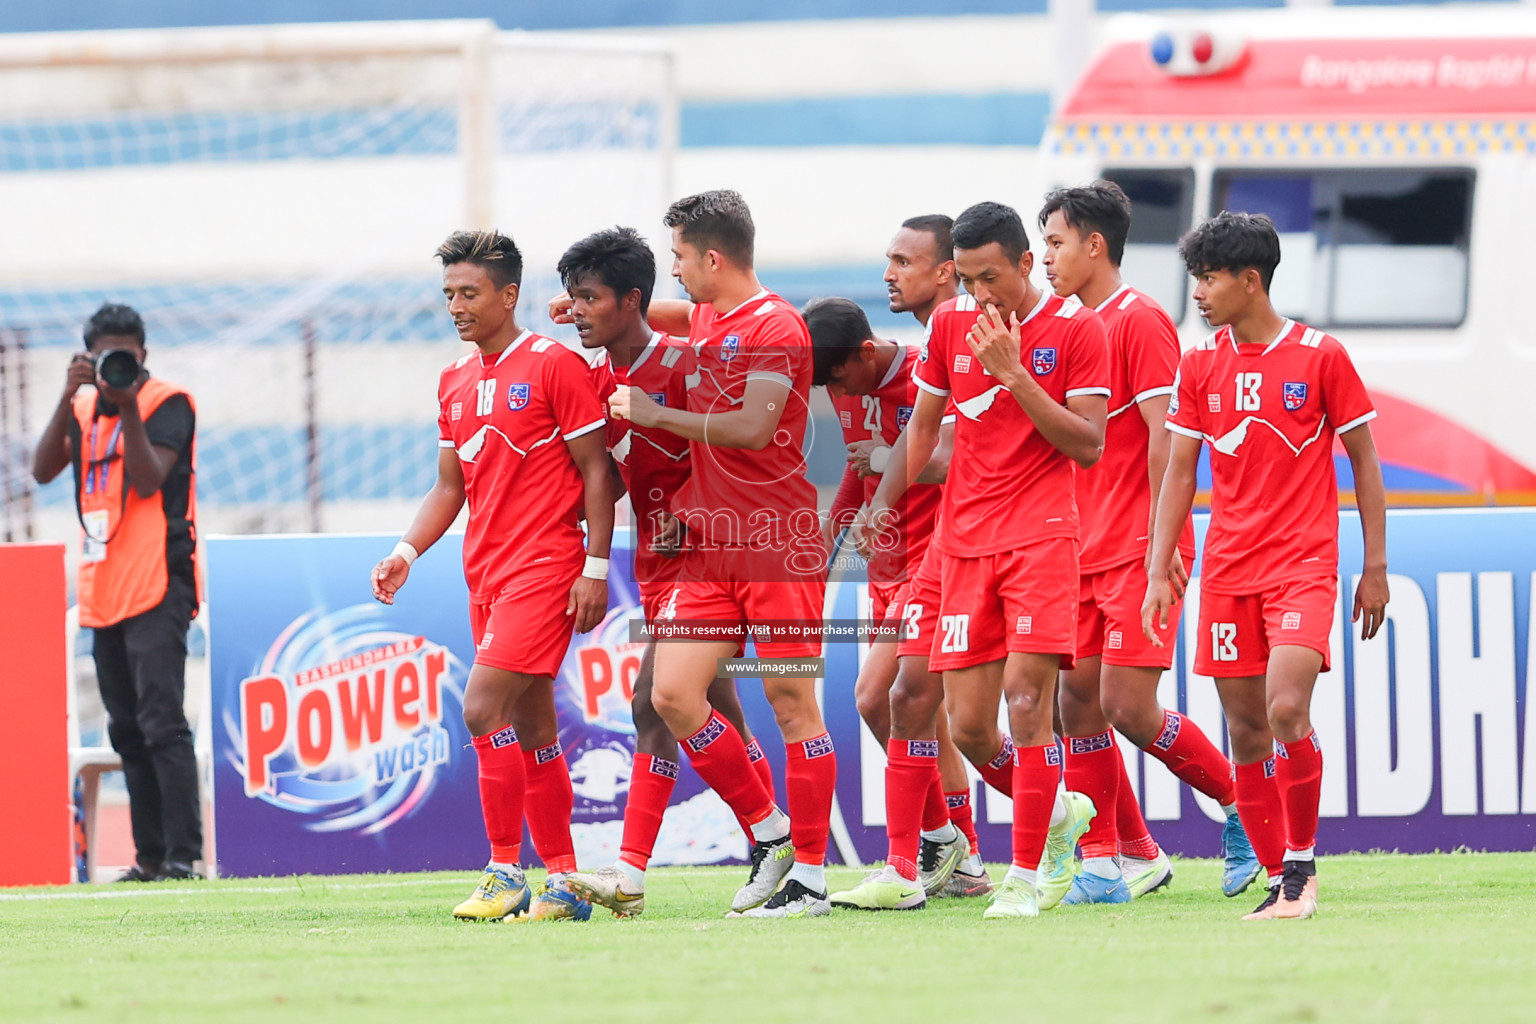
118, 367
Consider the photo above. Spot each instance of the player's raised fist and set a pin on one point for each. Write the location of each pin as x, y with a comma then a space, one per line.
560, 309
633, 404
388, 577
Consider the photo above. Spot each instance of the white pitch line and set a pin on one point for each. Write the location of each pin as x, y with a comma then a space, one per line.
308, 889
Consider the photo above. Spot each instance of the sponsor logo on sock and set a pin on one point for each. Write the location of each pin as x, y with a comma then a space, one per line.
1052, 756
1088, 744
666, 769
755, 751
1317, 744
820, 746
713, 730
1170, 732
922, 748
504, 738
1269, 767
1004, 757
1290, 620
1115, 640
544, 755
956, 800
1280, 750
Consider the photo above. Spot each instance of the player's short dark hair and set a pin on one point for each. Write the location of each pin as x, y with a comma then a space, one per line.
838, 328
1102, 207
717, 220
1232, 242
986, 223
618, 257
116, 321
940, 227
491, 251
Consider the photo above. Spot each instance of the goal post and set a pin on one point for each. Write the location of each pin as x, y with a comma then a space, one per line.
269, 199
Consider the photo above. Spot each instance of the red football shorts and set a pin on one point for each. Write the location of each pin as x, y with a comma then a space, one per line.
1021, 602
884, 598
920, 608
1109, 620
726, 607
1237, 632
524, 628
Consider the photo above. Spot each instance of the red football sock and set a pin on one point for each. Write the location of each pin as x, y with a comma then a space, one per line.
718, 755
1299, 778
962, 817
935, 810
1094, 767
503, 787
1192, 757
760, 764
1135, 838
909, 767
1261, 812
548, 807
998, 772
650, 789
810, 777
1036, 772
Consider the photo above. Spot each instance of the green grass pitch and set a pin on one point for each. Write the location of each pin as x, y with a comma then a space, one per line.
1398, 939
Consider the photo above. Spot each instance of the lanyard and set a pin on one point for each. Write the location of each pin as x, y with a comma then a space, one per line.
96, 469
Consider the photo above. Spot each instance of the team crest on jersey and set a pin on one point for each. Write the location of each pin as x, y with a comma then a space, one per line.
518, 395
659, 397
729, 347
1295, 395
1043, 360
903, 416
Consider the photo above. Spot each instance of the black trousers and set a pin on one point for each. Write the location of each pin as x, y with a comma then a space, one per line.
141, 666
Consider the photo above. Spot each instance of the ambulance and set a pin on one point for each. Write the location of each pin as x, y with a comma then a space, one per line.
1396, 153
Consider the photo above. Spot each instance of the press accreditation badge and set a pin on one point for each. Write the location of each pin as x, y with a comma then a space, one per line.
95, 547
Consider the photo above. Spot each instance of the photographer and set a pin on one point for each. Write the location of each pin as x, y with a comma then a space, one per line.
129, 439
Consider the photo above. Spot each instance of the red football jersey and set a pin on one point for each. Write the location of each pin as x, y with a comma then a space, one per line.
1008, 486
734, 495
1114, 496
1269, 414
653, 462
881, 416
509, 419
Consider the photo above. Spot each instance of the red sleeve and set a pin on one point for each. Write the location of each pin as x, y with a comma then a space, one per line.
1151, 352
1087, 356
444, 427
572, 393
1184, 412
932, 370
1345, 399
849, 498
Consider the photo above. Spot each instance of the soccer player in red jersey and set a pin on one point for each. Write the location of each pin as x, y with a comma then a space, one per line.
870, 380
753, 551
608, 277
521, 438
1115, 680
1269, 395
1028, 374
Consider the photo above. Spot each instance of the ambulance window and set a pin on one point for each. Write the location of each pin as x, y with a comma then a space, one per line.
1162, 202
1364, 248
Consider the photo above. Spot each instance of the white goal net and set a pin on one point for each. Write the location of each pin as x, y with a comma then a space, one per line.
269, 199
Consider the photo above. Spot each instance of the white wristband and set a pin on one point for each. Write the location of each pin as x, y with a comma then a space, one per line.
879, 459
595, 569
406, 552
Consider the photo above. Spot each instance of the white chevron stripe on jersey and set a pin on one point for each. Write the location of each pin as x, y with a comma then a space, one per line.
1228, 443
973, 407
